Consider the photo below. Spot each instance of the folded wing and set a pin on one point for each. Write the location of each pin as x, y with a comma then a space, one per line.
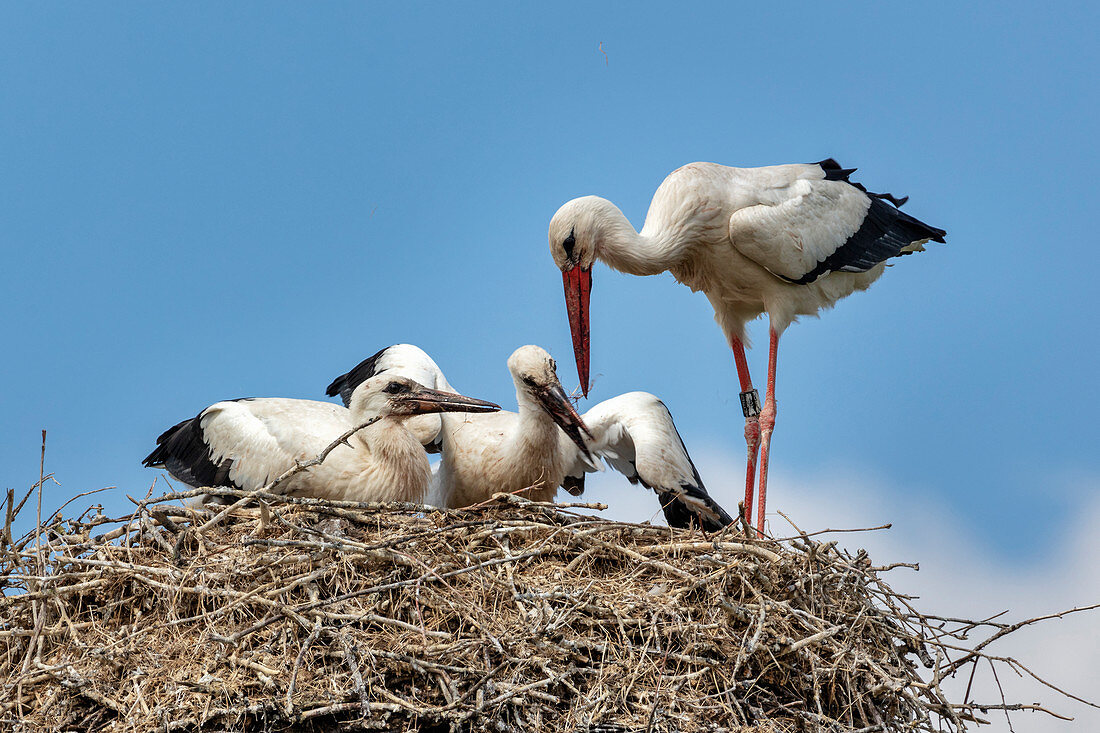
245, 443
820, 222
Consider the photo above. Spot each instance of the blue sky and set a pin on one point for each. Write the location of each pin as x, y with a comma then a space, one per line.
210, 201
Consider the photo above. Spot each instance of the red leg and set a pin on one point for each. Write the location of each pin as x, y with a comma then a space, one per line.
767, 424
752, 427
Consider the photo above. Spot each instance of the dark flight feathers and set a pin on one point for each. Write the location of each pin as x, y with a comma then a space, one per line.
345, 384
183, 452
886, 232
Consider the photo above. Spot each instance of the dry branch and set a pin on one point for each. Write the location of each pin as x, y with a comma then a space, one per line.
514, 615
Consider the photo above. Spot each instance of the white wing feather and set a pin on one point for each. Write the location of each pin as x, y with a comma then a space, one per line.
635, 434
805, 223
263, 437
413, 362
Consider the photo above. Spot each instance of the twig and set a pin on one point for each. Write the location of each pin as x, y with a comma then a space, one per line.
812, 639
38, 523
298, 663
1009, 629
350, 659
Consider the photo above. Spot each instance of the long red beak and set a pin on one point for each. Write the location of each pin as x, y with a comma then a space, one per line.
578, 288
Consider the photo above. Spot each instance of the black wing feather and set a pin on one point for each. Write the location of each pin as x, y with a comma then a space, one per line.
833, 172
345, 384
679, 515
884, 233
182, 450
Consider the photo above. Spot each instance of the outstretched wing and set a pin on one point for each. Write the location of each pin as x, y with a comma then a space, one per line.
404, 360
635, 434
820, 222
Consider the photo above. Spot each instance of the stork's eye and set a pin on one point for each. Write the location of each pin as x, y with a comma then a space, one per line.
530, 381
396, 388
568, 245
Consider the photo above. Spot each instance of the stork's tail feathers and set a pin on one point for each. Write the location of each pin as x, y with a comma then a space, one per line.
168, 440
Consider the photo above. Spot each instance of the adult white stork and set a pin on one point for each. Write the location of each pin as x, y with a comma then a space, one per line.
786, 240
510, 451
247, 443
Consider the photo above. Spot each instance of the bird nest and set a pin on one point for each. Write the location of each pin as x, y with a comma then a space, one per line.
307, 615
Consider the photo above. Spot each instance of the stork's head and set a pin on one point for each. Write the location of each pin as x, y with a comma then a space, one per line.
536, 376
576, 234
576, 231
388, 395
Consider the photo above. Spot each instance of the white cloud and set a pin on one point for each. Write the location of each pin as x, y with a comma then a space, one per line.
958, 575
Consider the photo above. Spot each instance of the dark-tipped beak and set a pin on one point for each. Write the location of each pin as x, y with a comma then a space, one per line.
432, 400
578, 288
557, 403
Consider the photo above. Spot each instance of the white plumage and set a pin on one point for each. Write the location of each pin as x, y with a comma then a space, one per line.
785, 240
541, 444
248, 443
408, 361
635, 434
486, 454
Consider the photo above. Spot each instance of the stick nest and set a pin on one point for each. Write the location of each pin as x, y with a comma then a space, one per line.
305, 615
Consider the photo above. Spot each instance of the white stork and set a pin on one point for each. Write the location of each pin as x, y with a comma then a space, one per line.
247, 443
635, 434
510, 451
786, 240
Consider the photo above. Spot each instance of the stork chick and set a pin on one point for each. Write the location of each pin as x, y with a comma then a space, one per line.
542, 445
247, 443
504, 452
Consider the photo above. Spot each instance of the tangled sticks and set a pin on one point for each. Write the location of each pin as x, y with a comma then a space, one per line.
312, 615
